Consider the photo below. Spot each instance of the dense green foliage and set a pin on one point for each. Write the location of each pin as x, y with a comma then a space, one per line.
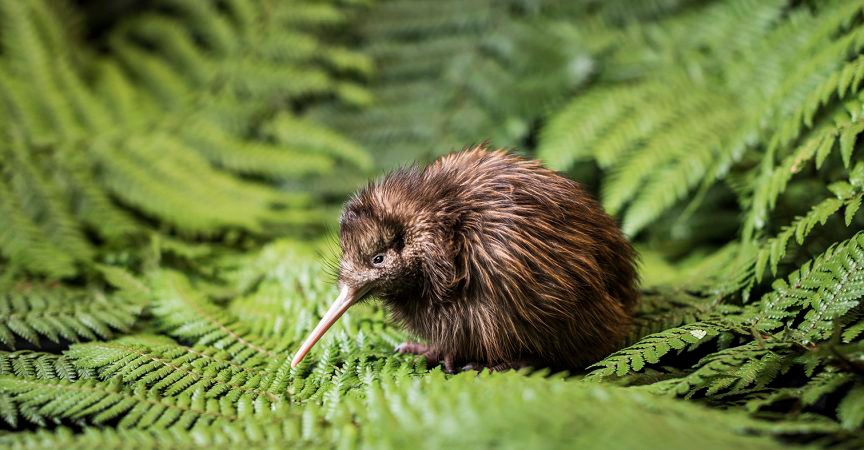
94, 139
168, 168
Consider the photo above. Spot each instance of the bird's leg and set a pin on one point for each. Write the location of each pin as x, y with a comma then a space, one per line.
413, 348
449, 365
433, 356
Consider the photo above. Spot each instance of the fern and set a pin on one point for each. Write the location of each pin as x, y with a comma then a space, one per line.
34, 313
393, 412
95, 141
826, 288
849, 410
184, 314
651, 348
775, 180
145, 381
174, 370
773, 250
703, 134
31, 365
730, 371
843, 273
662, 310
446, 69
150, 382
98, 402
817, 387
152, 150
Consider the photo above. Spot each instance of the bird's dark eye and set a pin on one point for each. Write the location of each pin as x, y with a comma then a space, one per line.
378, 259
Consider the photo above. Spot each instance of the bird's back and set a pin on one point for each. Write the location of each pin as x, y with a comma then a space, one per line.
541, 270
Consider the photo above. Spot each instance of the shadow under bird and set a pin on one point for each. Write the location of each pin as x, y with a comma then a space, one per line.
492, 260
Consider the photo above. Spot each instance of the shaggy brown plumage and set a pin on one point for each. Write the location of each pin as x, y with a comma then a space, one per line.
492, 259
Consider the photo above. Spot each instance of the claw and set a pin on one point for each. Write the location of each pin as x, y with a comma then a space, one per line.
433, 357
472, 366
412, 348
449, 365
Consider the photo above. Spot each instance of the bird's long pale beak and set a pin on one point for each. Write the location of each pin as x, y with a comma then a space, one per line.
347, 297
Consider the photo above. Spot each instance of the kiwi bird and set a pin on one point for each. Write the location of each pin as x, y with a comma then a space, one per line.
492, 260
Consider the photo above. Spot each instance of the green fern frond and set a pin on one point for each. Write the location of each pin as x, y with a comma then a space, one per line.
33, 365
153, 148
662, 170
256, 158
818, 146
22, 242
44, 203
730, 371
97, 138
37, 312
444, 72
824, 289
773, 250
849, 410
853, 331
98, 402
295, 433
664, 308
841, 280
92, 205
664, 189
38, 365
293, 132
574, 132
651, 348
183, 313
173, 370
395, 412
817, 387
821, 79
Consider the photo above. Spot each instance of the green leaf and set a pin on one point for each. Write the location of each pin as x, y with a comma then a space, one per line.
850, 410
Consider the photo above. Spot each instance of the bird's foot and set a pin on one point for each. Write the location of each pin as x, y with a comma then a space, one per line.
497, 367
413, 348
432, 355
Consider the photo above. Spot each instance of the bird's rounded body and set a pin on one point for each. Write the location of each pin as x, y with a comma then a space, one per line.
494, 260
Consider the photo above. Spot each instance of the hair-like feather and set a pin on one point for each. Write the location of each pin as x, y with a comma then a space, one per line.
493, 258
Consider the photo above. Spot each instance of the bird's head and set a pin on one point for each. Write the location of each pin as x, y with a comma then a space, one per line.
388, 244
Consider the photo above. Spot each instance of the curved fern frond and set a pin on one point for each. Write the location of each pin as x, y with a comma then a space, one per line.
824, 289
575, 131
183, 313
172, 370
394, 412
98, 402
772, 251
29, 364
22, 242
56, 314
731, 371
651, 348
819, 145
817, 387
33, 365
97, 138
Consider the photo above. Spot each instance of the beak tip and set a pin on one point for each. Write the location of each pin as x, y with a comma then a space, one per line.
343, 302
296, 361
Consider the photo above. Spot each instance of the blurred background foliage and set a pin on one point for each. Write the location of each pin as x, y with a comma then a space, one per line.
169, 170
